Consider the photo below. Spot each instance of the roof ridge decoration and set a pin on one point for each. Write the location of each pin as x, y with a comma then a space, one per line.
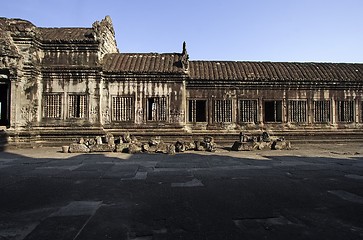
105, 34
185, 58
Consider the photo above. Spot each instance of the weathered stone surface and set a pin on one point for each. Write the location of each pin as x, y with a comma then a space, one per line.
210, 146
281, 145
145, 147
102, 148
109, 139
171, 149
122, 147
199, 146
237, 146
208, 139
265, 137
126, 138
180, 146
162, 147
98, 140
134, 148
91, 141
155, 141
189, 146
78, 148
152, 149
244, 146
263, 145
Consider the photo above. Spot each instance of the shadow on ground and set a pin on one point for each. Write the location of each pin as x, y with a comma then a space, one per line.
185, 196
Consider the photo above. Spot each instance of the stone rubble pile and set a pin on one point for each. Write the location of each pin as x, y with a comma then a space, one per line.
264, 141
130, 144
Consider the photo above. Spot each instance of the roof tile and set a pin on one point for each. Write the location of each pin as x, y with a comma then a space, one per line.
67, 34
228, 70
142, 63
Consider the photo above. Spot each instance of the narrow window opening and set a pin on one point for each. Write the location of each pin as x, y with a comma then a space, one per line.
197, 111
273, 111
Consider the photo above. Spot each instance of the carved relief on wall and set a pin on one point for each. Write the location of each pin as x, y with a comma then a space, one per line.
176, 116
29, 113
139, 115
94, 114
106, 116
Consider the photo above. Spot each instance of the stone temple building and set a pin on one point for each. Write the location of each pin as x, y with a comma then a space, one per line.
57, 84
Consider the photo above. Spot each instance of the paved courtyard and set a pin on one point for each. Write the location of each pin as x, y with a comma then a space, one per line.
312, 192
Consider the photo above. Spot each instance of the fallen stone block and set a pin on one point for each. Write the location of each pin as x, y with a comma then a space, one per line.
263, 145
145, 147
78, 148
102, 148
162, 148
134, 148
210, 147
244, 146
179, 146
237, 146
171, 149
281, 145
122, 147
189, 146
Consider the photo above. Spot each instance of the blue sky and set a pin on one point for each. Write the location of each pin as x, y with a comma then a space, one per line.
238, 30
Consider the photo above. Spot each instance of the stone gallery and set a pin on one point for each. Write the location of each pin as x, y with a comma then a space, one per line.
60, 84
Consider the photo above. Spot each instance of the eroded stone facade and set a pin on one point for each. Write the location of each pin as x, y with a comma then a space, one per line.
58, 84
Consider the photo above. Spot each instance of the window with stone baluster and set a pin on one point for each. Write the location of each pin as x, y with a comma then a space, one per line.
222, 111
122, 108
322, 110
248, 111
77, 106
345, 111
52, 105
297, 111
157, 109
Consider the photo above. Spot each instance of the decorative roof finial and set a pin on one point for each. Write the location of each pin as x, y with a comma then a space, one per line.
184, 48
185, 58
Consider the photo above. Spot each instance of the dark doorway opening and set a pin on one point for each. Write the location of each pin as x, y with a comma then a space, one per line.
273, 111
151, 109
4, 102
197, 110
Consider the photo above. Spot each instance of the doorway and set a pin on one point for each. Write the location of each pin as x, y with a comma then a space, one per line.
4, 102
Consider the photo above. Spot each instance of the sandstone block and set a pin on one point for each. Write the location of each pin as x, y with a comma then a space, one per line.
122, 147
78, 148
101, 148
134, 148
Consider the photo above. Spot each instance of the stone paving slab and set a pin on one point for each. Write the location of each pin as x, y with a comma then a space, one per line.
297, 194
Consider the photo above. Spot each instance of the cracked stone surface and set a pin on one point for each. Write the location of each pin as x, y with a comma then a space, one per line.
297, 194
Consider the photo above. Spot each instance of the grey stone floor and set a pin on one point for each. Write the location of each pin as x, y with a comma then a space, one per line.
311, 192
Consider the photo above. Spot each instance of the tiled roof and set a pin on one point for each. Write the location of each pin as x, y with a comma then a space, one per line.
228, 70
66, 34
143, 63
